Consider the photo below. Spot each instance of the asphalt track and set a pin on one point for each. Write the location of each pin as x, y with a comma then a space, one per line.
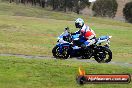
70, 59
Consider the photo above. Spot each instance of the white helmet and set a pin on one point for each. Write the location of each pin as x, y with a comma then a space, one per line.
79, 23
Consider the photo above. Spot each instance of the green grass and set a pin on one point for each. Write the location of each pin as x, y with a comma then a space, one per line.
48, 73
31, 11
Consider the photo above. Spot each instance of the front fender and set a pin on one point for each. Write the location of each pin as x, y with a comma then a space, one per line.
63, 46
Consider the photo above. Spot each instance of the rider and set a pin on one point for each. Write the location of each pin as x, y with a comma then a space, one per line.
87, 35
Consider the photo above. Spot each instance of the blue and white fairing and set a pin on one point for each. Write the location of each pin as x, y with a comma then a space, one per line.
60, 38
102, 39
65, 33
61, 43
64, 43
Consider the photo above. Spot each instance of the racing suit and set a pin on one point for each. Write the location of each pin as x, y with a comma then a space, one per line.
87, 35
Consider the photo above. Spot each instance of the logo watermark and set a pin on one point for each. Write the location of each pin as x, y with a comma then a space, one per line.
84, 78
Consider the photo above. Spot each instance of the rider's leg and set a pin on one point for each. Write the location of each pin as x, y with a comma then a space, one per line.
90, 42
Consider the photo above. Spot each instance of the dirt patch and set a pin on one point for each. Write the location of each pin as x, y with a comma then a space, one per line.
73, 59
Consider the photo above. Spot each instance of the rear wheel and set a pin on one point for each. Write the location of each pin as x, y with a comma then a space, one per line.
104, 55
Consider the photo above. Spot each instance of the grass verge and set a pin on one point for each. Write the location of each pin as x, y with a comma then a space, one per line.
48, 73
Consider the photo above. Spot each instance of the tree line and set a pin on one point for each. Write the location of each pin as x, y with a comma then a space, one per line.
60, 5
100, 8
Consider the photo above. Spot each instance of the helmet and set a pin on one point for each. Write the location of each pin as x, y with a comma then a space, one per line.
79, 23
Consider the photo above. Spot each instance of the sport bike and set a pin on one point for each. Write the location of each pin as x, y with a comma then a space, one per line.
69, 46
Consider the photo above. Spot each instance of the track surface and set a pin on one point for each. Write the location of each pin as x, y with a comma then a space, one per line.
73, 59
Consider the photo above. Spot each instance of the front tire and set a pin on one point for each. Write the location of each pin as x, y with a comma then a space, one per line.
63, 55
55, 52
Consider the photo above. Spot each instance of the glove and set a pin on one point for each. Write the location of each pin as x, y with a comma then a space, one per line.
72, 33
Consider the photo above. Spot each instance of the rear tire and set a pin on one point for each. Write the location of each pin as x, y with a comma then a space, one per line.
101, 56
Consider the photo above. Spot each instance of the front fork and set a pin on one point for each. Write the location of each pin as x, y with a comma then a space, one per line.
60, 48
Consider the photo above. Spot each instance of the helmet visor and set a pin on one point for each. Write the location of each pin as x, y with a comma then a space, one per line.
77, 25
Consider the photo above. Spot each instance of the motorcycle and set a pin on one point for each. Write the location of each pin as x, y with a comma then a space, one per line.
68, 45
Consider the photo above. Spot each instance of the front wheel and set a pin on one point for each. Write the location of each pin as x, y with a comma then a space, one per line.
104, 55
63, 55
55, 52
